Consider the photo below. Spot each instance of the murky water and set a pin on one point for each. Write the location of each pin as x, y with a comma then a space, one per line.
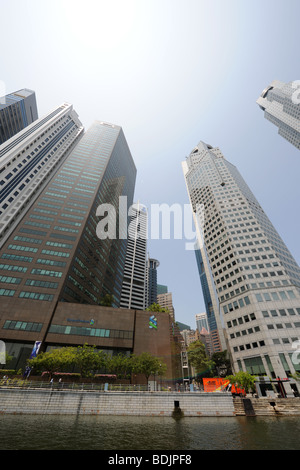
36, 432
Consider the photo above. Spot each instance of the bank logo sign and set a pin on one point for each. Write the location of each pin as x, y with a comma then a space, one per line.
76, 320
153, 322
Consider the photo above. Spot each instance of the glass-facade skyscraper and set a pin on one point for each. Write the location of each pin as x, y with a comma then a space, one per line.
54, 252
281, 105
17, 111
211, 307
30, 159
255, 277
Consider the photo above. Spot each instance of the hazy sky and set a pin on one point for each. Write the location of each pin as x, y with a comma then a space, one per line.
171, 73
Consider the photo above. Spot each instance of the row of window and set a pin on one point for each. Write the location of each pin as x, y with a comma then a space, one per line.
9, 267
236, 304
37, 283
36, 296
10, 280
22, 325
241, 320
282, 295
242, 347
97, 332
282, 312
280, 326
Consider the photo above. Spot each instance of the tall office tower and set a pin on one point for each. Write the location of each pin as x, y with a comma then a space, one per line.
211, 302
30, 158
162, 289
17, 111
256, 278
166, 301
201, 321
281, 105
60, 250
151, 281
134, 281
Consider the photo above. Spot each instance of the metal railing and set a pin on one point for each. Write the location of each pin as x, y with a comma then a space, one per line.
76, 386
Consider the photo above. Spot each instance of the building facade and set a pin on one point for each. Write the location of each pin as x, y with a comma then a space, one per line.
254, 275
134, 282
166, 301
113, 330
201, 321
17, 111
211, 301
30, 159
57, 252
68, 251
281, 105
161, 289
151, 281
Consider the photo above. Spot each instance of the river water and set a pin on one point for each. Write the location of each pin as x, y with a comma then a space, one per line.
48, 432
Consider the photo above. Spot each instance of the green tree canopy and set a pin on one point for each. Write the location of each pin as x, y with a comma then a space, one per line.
52, 361
198, 358
88, 358
156, 308
107, 300
147, 365
242, 380
120, 364
222, 363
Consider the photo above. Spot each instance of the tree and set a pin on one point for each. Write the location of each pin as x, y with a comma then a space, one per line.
147, 365
222, 363
107, 300
198, 359
52, 361
156, 308
88, 358
120, 364
242, 380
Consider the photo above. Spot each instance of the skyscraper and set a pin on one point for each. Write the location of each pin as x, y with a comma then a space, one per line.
165, 300
68, 251
210, 300
30, 159
56, 245
255, 277
151, 281
281, 105
17, 111
134, 281
201, 321
161, 289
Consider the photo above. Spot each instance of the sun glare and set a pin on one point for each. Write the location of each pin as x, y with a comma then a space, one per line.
101, 24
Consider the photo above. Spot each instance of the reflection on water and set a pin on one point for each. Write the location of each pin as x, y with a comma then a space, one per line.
36, 432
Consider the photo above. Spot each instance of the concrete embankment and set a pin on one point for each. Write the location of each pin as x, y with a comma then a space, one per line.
115, 403
52, 401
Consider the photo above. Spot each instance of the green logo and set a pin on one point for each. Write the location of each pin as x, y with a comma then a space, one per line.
153, 322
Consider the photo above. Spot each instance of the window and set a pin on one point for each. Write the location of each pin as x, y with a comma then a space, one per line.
7, 292
37, 283
36, 296
18, 325
10, 280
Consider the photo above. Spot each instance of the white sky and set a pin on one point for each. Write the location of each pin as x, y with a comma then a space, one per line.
171, 73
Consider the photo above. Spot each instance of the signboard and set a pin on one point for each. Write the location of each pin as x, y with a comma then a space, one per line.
218, 385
